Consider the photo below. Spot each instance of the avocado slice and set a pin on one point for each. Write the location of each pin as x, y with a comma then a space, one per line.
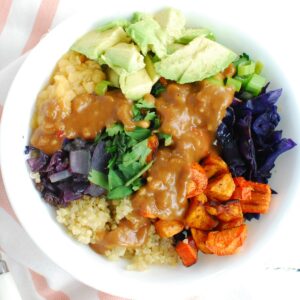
123, 57
151, 69
191, 33
134, 86
95, 42
172, 21
198, 60
113, 77
171, 48
117, 23
149, 36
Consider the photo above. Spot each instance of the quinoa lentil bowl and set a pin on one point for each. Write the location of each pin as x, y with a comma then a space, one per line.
86, 215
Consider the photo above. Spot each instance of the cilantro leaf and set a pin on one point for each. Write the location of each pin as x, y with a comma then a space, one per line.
139, 152
151, 115
119, 192
98, 178
114, 129
129, 171
168, 140
144, 104
157, 89
145, 169
139, 133
114, 179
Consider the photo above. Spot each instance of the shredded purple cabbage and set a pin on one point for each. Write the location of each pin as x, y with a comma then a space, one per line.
64, 175
247, 137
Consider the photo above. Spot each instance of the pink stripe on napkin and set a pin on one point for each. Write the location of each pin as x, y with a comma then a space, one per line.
44, 290
42, 22
4, 11
104, 296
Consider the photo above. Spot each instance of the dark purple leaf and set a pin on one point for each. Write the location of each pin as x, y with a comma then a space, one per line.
38, 163
58, 162
80, 161
62, 175
100, 158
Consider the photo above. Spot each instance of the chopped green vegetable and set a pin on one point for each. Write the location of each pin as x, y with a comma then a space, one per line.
145, 169
255, 84
119, 192
98, 178
144, 104
236, 84
246, 68
101, 87
151, 115
139, 133
168, 140
215, 81
244, 80
259, 67
114, 179
242, 59
114, 129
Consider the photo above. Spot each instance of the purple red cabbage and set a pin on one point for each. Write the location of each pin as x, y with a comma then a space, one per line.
248, 139
64, 175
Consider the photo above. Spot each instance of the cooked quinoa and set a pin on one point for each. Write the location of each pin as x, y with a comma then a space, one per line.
84, 217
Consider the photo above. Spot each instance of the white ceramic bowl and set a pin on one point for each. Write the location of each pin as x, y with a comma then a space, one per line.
39, 219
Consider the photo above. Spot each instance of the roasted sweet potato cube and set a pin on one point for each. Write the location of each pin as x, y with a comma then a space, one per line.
220, 188
231, 224
200, 238
187, 251
201, 198
198, 181
255, 197
214, 165
226, 242
197, 217
242, 189
168, 228
227, 211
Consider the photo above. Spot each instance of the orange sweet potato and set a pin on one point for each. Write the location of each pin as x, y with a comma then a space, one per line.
226, 242
187, 251
214, 165
255, 197
200, 238
231, 224
197, 217
198, 181
201, 198
220, 188
225, 212
166, 229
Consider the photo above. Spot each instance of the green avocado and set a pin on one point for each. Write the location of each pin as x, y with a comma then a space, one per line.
151, 69
113, 77
113, 24
198, 60
123, 58
95, 42
134, 86
172, 21
149, 36
191, 33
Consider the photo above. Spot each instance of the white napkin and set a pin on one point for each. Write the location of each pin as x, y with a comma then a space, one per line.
37, 277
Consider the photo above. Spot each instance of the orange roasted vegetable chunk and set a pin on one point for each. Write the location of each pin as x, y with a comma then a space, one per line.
166, 229
227, 211
220, 188
201, 198
226, 242
153, 144
231, 224
200, 238
198, 181
187, 251
214, 165
197, 217
255, 197
242, 190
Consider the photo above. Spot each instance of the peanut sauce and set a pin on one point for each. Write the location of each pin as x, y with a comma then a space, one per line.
89, 115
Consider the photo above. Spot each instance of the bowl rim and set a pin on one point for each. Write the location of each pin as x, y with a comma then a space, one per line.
109, 288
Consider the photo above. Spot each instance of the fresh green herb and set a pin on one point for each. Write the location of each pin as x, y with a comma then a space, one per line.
139, 153
151, 115
145, 169
139, 133
114, 129
114, 179
119, 192
101, 87
144, 104
129, 171
157, 89
98, 178
167, 138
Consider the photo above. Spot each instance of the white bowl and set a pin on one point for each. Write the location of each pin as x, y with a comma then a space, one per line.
39, 219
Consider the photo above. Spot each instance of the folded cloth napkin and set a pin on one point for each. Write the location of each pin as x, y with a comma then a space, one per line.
22, 24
